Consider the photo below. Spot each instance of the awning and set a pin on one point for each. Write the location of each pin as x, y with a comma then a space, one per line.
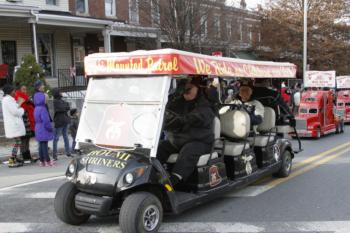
122, 29
176, 62
72, 21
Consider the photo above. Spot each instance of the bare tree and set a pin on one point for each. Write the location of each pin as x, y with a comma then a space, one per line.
328, 42
185, 24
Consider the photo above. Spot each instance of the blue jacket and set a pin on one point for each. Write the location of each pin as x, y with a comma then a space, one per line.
43, 127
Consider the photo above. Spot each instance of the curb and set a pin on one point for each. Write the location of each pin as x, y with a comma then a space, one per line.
60, 152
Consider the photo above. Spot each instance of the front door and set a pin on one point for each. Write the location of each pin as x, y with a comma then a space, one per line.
9, 54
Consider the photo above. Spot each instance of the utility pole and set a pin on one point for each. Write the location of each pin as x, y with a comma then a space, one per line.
305, 41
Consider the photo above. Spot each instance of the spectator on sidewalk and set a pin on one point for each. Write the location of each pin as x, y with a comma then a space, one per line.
62, 121
29, 123
73, 127
43, 127
13, 122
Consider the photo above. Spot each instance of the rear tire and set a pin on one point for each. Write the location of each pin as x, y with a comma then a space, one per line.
141, 212
286, 166
65, 205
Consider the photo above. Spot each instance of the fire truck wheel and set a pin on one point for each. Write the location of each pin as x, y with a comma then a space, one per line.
342, 127
337, 129
318, 133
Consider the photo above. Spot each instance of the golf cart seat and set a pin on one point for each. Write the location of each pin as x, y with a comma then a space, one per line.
203, 159
265, 129
236, 126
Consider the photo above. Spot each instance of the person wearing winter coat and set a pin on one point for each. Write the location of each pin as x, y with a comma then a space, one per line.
43, 128
189, 132
28, 119
62, 121
73, 127
13, 122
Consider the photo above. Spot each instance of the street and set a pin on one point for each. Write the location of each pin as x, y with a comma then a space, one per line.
314, 198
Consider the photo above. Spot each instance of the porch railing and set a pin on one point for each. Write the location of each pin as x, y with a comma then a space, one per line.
69, 81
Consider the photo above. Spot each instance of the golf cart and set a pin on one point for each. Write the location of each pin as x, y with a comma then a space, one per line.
122, 119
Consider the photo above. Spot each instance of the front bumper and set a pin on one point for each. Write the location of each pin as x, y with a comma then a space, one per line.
92, 204
304, 133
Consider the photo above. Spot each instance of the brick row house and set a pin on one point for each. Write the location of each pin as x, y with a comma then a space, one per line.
60, 33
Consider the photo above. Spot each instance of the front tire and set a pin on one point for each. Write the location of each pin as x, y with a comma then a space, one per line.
286, 166
141, 212
65, 205
318, 133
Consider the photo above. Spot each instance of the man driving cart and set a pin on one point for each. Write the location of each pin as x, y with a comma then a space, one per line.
189, 130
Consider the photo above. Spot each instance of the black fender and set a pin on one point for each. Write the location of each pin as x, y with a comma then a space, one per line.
286, 145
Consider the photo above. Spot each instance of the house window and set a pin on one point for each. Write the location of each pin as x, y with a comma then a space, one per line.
82, 6
204, 25
134, 11
155, 12
51, 2
229, 29
217, 25
240, 31
45, 50
110, 7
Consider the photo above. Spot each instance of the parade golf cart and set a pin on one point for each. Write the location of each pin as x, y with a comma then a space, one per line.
316, 116
122, 119
343, 98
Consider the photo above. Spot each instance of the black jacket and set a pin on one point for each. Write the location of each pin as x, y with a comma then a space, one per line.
73, 127
61, 108
194, 121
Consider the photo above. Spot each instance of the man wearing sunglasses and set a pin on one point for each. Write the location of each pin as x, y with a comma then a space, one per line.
189, 129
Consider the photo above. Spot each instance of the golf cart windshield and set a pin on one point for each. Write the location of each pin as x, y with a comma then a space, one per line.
124, 112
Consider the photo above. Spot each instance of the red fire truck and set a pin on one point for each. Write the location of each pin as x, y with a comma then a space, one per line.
343, 97
316, 116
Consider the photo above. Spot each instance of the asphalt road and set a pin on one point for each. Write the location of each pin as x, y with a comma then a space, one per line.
315, 198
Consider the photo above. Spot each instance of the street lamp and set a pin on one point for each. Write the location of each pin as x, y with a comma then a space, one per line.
305, 42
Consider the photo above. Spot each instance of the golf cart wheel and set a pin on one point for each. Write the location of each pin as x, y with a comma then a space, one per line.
286, 166
318, 133
65, 205
140, 213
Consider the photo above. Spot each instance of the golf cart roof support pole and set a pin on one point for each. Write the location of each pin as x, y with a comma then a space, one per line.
305, 41
164, 101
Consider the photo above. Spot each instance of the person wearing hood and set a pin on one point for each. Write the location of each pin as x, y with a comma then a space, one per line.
28, 119
43, 127
61, 121
189, 129
13, 122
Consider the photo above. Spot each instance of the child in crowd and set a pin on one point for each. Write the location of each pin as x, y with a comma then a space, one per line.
43, 127
73, 127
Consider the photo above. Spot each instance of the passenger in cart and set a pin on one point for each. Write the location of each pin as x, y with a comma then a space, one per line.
188, 126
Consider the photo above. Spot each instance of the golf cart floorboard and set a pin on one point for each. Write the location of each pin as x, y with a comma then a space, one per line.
187, 200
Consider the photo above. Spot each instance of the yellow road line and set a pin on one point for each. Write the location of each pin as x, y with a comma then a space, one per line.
308, 160
316, 157
274, 183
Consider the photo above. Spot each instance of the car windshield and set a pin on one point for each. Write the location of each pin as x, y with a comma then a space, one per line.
123, 112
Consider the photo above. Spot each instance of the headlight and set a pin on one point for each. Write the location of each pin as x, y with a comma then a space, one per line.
71, 168
129, 178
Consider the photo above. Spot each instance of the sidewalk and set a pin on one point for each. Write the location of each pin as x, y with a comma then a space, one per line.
6, 148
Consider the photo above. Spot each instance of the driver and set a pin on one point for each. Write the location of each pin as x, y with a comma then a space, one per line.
254, 107
189, 131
